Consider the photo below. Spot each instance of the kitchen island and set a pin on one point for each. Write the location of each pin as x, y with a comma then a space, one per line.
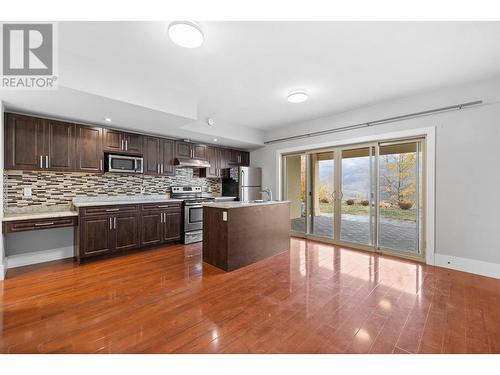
237, 234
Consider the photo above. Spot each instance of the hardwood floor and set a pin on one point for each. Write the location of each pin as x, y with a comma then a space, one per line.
316, 299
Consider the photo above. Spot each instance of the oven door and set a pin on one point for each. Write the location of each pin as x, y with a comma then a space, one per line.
193, 218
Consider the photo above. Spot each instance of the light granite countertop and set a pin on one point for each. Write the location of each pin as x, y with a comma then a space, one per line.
134, 199
38, 215
238, 204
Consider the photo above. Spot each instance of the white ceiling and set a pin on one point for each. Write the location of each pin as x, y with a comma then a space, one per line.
242, 73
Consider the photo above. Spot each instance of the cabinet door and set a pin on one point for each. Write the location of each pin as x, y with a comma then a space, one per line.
172, 226
167, 156
151, 228
61, 145
222, 158
245, 159
89, 154
112, 140
95, 235
151, 155
133, 143
199, 152
212, 154
183, 149
126, 232
232, 157
25, 142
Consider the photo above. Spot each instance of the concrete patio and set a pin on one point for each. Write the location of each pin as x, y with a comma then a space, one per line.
394, 234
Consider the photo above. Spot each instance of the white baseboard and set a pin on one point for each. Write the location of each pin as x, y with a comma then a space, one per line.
468, 265
38, 257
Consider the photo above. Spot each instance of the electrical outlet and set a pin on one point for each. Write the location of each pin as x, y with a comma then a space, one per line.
224, 215
27, 192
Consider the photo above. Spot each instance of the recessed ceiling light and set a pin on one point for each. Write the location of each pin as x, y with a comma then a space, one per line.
298, 96
107, 119
185, 34
215, 139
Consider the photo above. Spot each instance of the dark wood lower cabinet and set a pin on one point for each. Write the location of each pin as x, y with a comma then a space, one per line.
94, 237
126, 232
172, 226
112, 229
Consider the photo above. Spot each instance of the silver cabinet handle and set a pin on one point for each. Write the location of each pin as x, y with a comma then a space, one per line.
41, 161
47, 161
100, 165
161, 217
43, 224
114, 222
162, 169
126, 145
158, 168
121, 144
110, 224
112, 209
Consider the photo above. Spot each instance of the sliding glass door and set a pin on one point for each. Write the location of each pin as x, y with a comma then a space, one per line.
323, 194
357, 185
295, 190
400, 196
370, 195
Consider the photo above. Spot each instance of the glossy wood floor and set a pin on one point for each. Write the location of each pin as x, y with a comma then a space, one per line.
317, 299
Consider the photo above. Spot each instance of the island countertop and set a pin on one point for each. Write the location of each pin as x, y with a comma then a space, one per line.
238, 204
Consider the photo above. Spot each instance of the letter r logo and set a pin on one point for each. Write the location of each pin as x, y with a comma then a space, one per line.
27, 49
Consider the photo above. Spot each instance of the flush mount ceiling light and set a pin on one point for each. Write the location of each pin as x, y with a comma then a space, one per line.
185, 34
298, 96
215, 139
107, 119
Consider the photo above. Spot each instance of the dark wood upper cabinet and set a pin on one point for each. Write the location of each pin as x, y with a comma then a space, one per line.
61, 143
167, 157
33, 143
39, 144
199, 152
183, 149
24, 142
218, 163
245, 159
237, 158
151, 155
190, 150
133, 143
89, 153
112, 140
117, 141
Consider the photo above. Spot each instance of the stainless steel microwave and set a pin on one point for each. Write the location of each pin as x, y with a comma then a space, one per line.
125, 164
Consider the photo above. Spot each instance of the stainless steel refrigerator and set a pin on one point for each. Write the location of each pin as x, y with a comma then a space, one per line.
249, 183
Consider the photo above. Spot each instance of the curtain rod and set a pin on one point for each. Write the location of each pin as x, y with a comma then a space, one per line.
377, 122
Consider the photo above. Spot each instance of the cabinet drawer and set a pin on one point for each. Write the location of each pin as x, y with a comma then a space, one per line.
109, 210
38, 224
171, 206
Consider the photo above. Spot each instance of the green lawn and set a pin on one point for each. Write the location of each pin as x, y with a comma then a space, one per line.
357, 209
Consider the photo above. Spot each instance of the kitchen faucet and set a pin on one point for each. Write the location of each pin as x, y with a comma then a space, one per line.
269, 194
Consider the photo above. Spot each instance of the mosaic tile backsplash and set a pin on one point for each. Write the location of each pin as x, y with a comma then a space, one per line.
57, 189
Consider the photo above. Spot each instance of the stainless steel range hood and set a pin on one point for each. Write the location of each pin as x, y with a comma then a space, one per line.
191, 163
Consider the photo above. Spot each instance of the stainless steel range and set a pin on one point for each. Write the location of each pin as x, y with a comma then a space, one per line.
193, 211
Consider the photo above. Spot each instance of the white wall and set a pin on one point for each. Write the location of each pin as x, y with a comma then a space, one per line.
2, 242
467, 166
